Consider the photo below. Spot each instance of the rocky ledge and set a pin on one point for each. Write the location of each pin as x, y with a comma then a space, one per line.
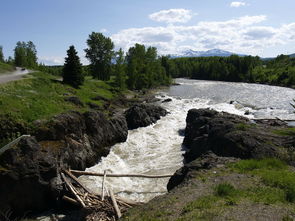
215, 143
29, 172
211, 136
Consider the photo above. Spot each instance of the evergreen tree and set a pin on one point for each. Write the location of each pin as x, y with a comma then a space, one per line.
120, 70
100, 53
1, 54
72, 70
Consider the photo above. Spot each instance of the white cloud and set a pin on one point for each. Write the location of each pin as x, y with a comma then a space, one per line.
103, 30
52, 60
244, 35
237, 4
171, 16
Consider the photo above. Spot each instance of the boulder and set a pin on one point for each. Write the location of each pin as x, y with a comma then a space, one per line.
142, 115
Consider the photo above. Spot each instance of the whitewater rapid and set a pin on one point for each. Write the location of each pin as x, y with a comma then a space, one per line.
157, 149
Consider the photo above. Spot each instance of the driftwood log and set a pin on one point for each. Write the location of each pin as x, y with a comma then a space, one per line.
78, 172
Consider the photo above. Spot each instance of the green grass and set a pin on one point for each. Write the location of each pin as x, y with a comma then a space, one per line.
253, 164
224, 189
273, 173
244, 126
41, 96
5, 68
285, 132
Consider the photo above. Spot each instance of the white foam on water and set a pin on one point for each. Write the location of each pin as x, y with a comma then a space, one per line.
157, 149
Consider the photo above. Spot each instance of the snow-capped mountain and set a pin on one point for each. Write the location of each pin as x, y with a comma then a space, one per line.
209, 53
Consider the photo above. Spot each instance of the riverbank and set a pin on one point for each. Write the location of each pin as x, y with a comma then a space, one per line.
235, 170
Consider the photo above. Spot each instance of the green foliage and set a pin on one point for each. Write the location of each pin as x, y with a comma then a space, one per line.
120, 70
100, 53
273, 172
72, 70
224, 189
253, 164
25, 54
41, 96
279, 71
284, 180
243, 126
144, 69
1, 54
5, 68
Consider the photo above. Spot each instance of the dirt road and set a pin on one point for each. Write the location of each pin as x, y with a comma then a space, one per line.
13, 76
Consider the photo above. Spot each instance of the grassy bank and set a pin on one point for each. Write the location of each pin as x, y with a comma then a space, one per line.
41, 96
246, 190
4, 68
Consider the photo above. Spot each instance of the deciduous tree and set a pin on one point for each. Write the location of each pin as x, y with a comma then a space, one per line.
100, 53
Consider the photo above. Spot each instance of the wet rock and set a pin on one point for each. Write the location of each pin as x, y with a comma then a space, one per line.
74, 100
142, 115
167, 100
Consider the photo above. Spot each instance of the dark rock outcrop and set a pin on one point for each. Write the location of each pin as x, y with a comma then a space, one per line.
206, 161
213, 139
142, 115
29, 173
228, 135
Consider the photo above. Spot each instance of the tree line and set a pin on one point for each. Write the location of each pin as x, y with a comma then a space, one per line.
278, 71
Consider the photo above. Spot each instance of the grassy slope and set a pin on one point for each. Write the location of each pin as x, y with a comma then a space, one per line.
40, 96
5, 68
246, 190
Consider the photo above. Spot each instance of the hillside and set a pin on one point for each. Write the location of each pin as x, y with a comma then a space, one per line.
41, 96
4, 68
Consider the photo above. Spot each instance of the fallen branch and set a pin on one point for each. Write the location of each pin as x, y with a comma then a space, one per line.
102, 188
78, 172
70, 200
118, 212
77, 181
69, 185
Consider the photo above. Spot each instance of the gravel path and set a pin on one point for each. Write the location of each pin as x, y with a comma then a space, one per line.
13, 76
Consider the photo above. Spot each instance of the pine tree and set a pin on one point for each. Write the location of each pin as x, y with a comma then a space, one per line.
72, 70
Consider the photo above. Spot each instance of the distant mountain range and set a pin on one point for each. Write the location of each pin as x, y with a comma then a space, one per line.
209, 53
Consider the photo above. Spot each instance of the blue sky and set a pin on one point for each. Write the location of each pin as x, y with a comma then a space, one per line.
261, 27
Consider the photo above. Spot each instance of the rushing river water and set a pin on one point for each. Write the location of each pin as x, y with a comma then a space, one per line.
156, 149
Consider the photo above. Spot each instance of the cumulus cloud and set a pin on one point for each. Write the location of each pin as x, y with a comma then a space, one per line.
244, 35
52, 60
178, 15
237, 4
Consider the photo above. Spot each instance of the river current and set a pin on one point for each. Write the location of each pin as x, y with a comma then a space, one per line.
157, 149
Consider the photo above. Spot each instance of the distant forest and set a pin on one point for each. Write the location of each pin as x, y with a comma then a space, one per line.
278, 71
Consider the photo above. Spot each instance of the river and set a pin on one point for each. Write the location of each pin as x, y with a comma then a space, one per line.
157, 149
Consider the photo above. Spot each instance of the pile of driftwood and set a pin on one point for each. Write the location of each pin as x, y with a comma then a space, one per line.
103, 207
